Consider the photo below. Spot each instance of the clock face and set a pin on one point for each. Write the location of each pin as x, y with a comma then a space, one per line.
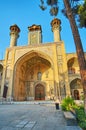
33, 35
33, 38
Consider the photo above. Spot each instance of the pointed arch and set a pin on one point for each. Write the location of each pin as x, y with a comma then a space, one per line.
27, 67
72, 64
76, 88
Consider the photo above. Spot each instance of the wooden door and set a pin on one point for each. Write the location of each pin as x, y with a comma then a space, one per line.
76, 94
39, 92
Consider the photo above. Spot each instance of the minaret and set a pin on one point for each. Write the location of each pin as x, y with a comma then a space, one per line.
55, 23
14, 34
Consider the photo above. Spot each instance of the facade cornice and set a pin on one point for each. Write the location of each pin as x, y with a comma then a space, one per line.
35, 46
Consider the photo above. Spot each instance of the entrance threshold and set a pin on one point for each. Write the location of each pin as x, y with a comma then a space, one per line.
28, 102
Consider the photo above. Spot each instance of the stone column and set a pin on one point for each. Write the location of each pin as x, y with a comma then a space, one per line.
14, 34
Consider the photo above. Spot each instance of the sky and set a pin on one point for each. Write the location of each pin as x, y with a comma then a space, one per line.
25, 13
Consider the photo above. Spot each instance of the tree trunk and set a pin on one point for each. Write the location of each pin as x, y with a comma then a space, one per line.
79, 48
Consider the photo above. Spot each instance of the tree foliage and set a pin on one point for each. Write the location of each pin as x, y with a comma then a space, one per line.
53, 4
78, 9
81, 12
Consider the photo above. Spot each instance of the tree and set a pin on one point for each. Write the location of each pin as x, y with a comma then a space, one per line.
79, 48
76, 36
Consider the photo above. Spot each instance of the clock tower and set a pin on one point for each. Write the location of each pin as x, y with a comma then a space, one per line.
34, 35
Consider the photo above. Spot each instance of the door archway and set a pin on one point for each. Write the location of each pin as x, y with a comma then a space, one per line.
76, 94
76, 88
29, 68
39, 92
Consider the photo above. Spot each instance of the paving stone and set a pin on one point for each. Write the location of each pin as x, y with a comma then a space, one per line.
28, 128
9, 128
19, 126
23, 122
30, 124
60, 127
14, 123
32, 117
38, 127
73, 128
3, 123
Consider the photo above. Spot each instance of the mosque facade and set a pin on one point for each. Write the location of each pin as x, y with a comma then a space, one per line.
39, 71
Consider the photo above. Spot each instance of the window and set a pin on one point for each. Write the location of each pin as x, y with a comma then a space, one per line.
39, 75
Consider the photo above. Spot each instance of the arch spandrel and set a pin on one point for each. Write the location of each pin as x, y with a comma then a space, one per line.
76, 84
31, 54
72, 62
73, 66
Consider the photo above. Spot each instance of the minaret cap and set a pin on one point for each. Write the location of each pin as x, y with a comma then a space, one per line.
35, 28
14, 28
55, 22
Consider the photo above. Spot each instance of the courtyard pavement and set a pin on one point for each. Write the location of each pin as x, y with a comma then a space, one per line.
32, 117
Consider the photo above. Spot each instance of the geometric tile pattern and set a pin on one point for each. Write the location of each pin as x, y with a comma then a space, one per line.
26, 124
